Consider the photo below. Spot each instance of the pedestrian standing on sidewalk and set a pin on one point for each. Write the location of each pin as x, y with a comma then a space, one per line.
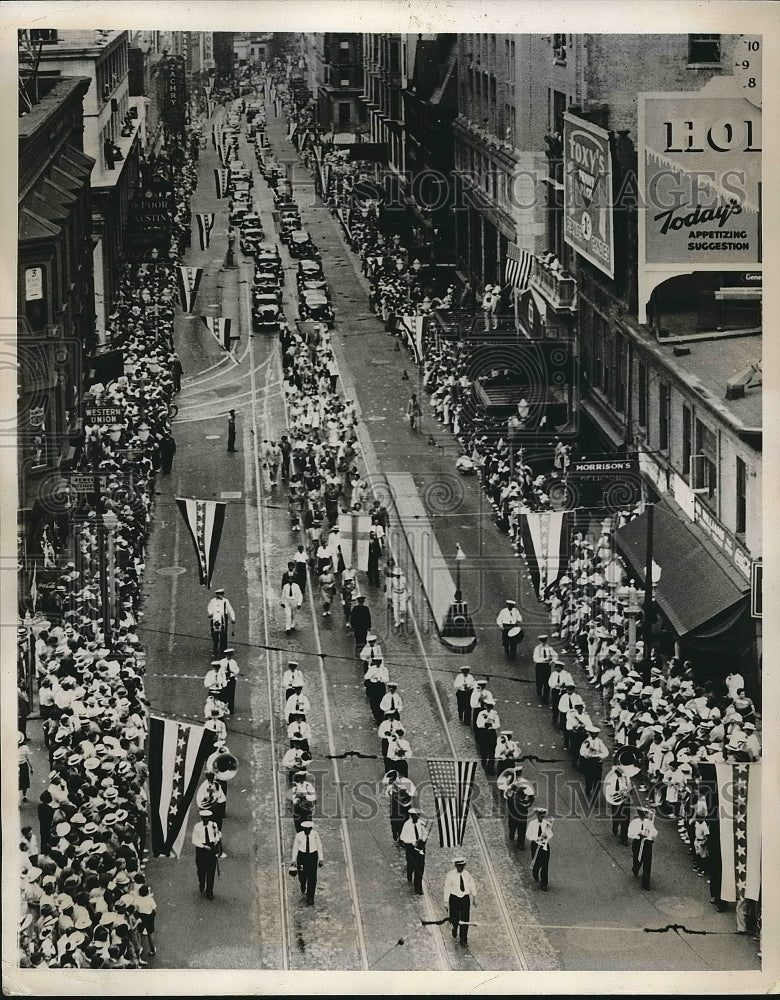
231, 445
25, 766
286, 449
540, 834
176, 371
146, 906
307, 858
460, 897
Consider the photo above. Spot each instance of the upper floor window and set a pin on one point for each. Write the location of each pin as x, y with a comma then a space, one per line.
45, 35
559, 49
704, 48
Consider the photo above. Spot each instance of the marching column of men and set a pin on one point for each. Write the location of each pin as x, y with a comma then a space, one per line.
211, 797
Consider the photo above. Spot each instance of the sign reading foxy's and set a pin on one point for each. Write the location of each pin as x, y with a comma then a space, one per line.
700, 184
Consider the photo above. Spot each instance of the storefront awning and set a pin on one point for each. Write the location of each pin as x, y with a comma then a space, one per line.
698, 591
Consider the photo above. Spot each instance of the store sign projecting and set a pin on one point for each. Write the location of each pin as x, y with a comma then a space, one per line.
587, 196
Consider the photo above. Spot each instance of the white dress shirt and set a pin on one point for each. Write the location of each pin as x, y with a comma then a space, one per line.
453, 882
307, 842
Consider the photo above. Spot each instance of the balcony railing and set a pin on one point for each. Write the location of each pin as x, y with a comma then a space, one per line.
554, 283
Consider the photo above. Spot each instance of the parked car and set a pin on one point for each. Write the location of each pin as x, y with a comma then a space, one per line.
267, 283
253, 220
288, 225
309, 270
283, 193
302, 245
266, 312
313, 285
241, 191
314, 305
251, 238
267, 259
238, 212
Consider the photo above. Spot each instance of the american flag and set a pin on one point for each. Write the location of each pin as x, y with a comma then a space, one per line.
205, 226
219, 328
188, 280
204, 518
177, 753
519, 264
222, 179
453, 781
733, 793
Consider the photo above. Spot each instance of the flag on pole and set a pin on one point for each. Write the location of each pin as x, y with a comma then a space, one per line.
733, 798
453, 782
545, 544
34, 587
205, 226
176, 755
519, 264
188, 280
205, 519
222, 178
219, 328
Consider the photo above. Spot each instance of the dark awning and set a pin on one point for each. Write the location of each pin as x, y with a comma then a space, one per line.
697, 586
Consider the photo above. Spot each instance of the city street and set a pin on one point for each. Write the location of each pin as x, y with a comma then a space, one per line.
365, 916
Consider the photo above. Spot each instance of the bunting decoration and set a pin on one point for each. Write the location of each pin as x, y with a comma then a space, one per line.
413, 327
205, 519
733, 798
545, 544
453, 783
188, 280
291, 130
205, 226
34, 587
176, 755
219, 328
222, 178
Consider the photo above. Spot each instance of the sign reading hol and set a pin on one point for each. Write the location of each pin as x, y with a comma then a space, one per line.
699, 183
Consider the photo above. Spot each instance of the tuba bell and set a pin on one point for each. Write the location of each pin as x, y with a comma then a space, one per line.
223, 764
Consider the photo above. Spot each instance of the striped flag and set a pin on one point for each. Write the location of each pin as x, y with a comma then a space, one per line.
188, 280
34, 587
219, 328
356, 528
453, 782
205, 519
215, 133
205, 226
177, 753
222, 178
545, 543
733, 797
519, 264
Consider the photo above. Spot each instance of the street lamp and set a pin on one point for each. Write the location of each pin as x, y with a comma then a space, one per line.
630, 597
106, 527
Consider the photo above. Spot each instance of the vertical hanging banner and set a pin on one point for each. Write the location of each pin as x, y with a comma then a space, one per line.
174, 93
453, 782
188, 281
205, 519
587, 192
545, 544
222, 179
219, 328
205, 226
176, 755
733, 798
700, 181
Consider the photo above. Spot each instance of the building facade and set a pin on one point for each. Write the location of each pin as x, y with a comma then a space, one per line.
55, 294
111, 138
338, 61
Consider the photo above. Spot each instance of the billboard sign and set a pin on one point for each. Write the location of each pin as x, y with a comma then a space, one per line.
699, 185
587, 192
